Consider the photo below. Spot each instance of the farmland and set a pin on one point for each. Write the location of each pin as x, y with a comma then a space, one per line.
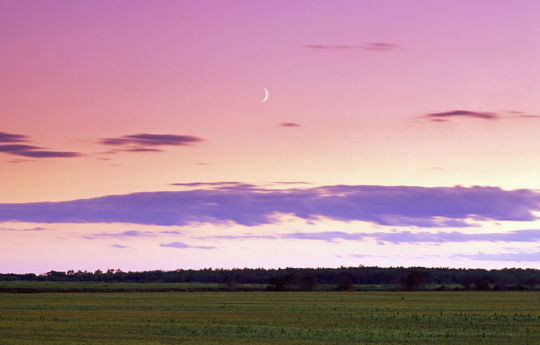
455, 317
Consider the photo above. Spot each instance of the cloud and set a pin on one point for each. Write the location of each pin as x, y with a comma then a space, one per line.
116, 245
129, 233
239, 237
37, 228
520, 114
34, 151
251, 205
419, 237
461, 113
289, 124
147, 143
446, 116
12, 138
379, 46
328, 236
171, 232
181, 245
515, 257
145, 139
142, 149
372, 46
25, 150
528, 116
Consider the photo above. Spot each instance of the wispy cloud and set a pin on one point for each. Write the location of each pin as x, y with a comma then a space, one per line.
448, 115
371, 46
145, 140
35, 152
379, 46
147, 143
182, 245
142, 149
37, 228
400, 237
253, 205
12, 138
129, 233
461, 113
120, 246
520, 114
238, 237
171, 232
289, 124
514, 257
16, 146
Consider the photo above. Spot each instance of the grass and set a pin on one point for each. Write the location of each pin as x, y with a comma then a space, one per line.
51, 286
271, 318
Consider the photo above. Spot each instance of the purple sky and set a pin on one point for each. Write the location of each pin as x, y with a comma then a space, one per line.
133, 136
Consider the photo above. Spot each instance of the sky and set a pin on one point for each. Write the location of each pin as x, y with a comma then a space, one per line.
133, 134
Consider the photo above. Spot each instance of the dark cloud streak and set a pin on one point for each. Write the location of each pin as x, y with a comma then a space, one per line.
147, 143
289, 124
25, 150
145, 139
12, 138
461, 113
34, 151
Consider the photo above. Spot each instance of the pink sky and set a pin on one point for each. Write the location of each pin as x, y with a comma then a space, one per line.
393, 93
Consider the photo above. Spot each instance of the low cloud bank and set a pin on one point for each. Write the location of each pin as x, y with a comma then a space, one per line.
250, 205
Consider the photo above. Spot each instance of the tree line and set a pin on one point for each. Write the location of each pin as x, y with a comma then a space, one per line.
287, 279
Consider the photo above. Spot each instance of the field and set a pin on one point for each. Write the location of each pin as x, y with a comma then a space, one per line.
47, 286
270, 318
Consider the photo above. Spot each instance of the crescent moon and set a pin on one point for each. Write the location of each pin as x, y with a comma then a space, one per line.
265, 95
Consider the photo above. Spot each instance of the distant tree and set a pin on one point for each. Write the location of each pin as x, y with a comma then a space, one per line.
412, 281
481, 284
466, 282
56, 275
308, 283
231, 284
306, 278
286, 282
344, 283
530, 283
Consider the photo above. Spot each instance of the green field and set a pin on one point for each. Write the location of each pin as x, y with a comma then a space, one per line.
46, 286
270, 318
